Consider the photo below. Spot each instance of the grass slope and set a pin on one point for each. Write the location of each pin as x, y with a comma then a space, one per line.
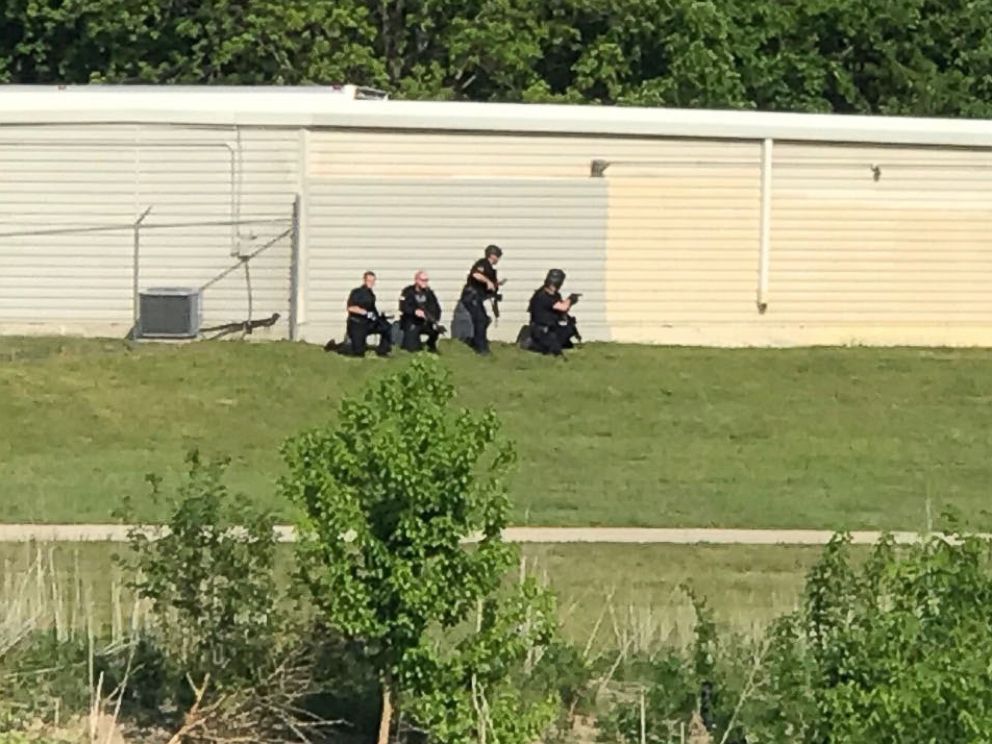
620, 435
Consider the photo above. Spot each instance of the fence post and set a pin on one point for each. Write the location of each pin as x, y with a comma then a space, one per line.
135, 271
294, 272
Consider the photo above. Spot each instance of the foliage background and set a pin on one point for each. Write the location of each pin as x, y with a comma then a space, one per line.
917, 57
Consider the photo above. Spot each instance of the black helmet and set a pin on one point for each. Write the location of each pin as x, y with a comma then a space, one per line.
494, 250
555, 278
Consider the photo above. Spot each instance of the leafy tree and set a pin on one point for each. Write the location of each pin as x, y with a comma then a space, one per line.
388, 493
483, 689
187, 41
917, 57
264, 41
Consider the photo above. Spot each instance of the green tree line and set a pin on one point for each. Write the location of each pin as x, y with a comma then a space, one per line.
916, 57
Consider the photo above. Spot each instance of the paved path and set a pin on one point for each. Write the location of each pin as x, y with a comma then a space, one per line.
545, 535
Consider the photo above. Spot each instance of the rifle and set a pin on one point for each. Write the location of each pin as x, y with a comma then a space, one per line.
571, 323
381, 323
429, 317
573, 328
496, 297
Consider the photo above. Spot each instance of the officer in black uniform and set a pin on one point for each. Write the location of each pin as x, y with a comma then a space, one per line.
420, 314
551, 327
363, 321
481, 284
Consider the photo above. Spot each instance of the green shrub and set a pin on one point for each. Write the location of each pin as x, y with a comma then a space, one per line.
42, 676
224, 627
706, 680
893, 649
211, 581
898, 649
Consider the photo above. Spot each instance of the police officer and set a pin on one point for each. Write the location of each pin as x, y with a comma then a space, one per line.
420, 314
363, 321
481, 284
551, 327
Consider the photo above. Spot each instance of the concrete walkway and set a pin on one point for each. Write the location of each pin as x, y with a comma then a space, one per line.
542, 535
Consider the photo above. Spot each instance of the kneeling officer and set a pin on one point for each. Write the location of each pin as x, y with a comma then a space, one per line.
363, 321
551, 327
420, 314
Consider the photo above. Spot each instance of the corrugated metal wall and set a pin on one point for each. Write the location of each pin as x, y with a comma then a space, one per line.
398, 226
448, 195
868, 244
682, 245
52, 178
76, 178
874, 244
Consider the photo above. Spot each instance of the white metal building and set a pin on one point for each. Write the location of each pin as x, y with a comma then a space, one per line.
689, 227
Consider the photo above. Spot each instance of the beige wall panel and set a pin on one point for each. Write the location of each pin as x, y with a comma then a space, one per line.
904, 258
50, 179
409, 154
874, 245
836, 153
682, 252
683, 215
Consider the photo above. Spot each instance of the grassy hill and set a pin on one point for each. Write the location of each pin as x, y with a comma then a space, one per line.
618, 435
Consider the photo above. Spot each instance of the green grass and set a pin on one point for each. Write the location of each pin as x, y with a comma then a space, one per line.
620, 435
620, 594
609, 596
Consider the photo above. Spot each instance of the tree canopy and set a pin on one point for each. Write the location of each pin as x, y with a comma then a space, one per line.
915, 57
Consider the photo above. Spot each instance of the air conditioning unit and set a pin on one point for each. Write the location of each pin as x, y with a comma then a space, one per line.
170, 312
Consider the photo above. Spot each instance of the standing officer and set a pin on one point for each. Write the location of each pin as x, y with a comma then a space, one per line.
363, 321
420, 314
482, 284
551, 327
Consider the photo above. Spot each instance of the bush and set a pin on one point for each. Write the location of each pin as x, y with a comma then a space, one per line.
706, 681
210, 580
899, 649
891, 649
494, 684
44, 677
224, 651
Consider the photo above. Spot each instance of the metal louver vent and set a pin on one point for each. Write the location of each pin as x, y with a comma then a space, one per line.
169, 313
